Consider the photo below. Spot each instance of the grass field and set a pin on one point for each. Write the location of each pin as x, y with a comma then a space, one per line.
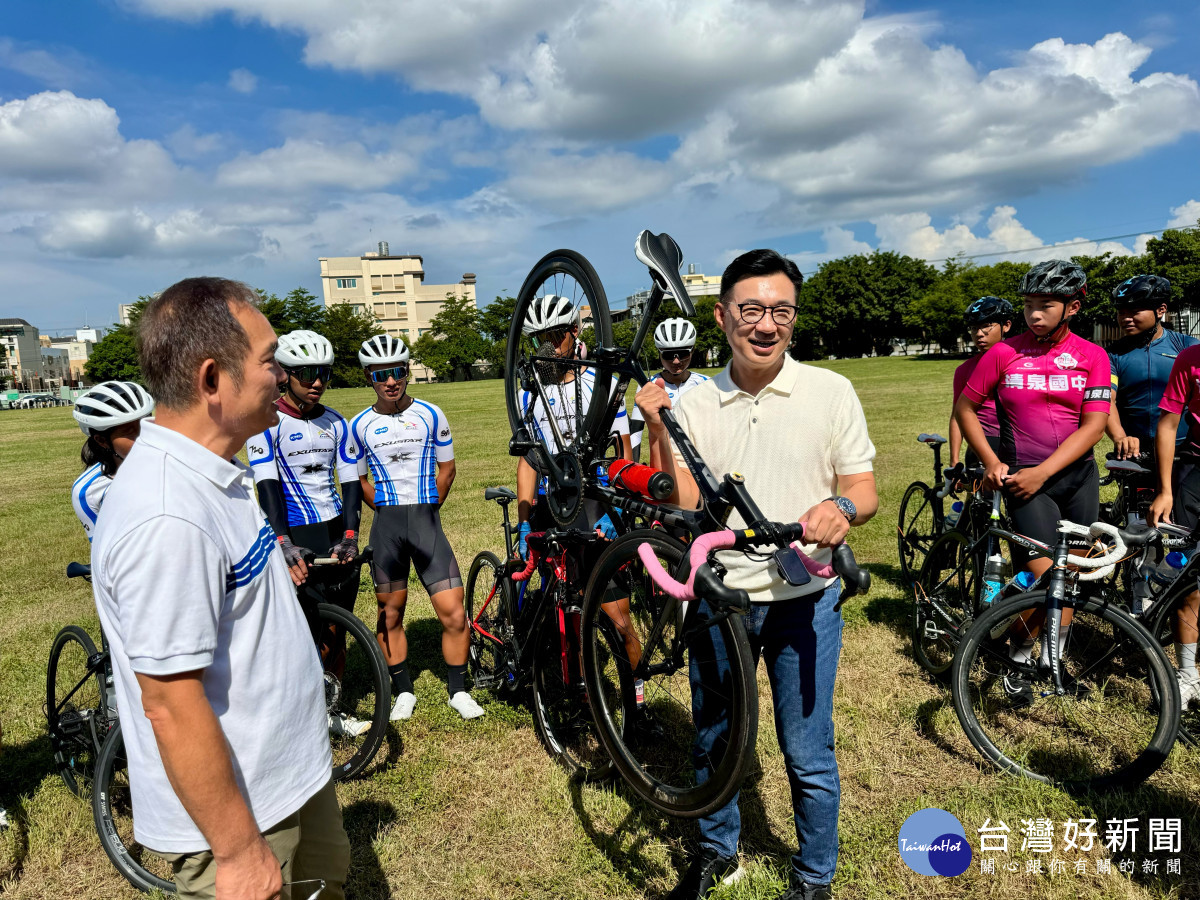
457, 809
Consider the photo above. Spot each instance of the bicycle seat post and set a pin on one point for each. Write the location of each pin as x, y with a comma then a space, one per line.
937, 462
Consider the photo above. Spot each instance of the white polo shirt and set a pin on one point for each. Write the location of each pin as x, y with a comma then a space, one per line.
187, 575
791, 442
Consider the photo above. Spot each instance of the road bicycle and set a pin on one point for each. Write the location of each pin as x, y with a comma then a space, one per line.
922, 512
1089, 703
659, 639
89, 752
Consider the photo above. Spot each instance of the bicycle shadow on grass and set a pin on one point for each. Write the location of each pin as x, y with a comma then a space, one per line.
364, 821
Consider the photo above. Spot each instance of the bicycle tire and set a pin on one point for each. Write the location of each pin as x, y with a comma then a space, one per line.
488, 598
112, 811
78, 729
943, 602
918, 526
361, 691
1115, 723
655, 756
563, 273
1161, 621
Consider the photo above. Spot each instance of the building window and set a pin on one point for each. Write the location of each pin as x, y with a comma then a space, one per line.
347, 282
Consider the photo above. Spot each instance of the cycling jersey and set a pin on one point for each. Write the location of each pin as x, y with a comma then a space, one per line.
1041, 392
987, 412
1182, 397
87, 493
1140, 371
637, 424
401, 451
300, 453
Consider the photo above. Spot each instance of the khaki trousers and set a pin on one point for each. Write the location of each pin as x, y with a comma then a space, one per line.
309, 844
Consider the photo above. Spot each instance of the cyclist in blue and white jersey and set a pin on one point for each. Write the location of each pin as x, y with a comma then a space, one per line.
406, 446
110, 414
1141, 363
674, 340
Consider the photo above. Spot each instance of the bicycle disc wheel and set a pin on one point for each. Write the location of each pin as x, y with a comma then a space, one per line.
563, 273
1113, 725
561, 714
358, 692
112, 810
683, 758
76, 715
918, 527
942, 601
489, 616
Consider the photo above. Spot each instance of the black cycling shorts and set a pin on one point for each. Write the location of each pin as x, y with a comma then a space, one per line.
1185, 480
971, 460
1072, 494
325, 584
402, 535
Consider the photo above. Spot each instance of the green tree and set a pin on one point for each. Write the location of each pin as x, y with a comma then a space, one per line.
346, 330
115, 356
1176, 257
453, 343
495, 319
298, 310
709, 335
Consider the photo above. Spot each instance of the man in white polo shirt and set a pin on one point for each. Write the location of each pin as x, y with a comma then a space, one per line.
219, 686
798, 435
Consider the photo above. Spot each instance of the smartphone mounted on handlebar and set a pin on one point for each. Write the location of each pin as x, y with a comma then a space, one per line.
791, 567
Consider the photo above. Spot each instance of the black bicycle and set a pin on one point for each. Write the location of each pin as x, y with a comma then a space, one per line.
922, 512
658, 638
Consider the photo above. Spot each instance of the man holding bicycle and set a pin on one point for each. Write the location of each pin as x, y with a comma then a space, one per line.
798, 436
219, 686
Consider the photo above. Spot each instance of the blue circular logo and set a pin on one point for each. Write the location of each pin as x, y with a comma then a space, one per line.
933, 842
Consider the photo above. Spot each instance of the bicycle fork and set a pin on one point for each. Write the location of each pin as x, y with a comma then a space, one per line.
1055, 595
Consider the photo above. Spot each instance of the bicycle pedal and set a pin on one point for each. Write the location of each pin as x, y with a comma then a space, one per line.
932, 632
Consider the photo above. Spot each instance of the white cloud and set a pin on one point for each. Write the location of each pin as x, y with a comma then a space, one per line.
57, 69
187, 143
305, 164
572, 183
1186, 215
184, 234
243, 81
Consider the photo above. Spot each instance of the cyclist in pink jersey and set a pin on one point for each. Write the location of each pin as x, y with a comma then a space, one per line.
1052, 390
988, 321
1178, 497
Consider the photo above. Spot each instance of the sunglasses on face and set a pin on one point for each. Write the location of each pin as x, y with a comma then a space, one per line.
675, 355
309, 374
400, 372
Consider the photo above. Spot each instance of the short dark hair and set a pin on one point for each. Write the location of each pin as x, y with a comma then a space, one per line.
189, 322
758, 262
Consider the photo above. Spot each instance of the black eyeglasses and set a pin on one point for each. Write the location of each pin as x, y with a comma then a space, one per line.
675, 355
784, 314
399, 372
309, 374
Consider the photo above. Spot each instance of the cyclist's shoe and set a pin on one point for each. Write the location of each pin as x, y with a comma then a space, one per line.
705, 873
3, 819
464, 704
807, 891
1018, 690
646, 728
1189, 688
403, 708
342, 725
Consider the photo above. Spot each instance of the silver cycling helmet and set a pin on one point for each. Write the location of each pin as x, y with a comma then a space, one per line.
304, 348
675, 334
111, 403
1055, 278
382, 350
549, 312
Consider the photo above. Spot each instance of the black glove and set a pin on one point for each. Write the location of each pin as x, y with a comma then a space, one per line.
345, 549
293, 554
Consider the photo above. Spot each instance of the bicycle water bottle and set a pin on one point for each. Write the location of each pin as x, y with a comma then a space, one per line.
1168, 567
953, 515
993, 577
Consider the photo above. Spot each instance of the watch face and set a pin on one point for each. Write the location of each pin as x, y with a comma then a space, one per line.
846, 506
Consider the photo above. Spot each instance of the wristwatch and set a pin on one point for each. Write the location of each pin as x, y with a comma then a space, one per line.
845, 506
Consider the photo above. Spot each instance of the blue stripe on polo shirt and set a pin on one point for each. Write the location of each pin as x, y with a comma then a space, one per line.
255, 560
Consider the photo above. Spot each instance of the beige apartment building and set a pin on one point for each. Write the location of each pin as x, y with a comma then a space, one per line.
393, 289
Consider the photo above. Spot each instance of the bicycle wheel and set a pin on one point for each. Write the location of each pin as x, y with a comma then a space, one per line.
920, 523
1114, 724
561, 714
683, 756
490, 617
77, 716
112, 810
358, 691
563, 273
1162, 625
943, 600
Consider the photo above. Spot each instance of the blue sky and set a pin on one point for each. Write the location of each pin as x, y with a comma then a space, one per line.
145, 140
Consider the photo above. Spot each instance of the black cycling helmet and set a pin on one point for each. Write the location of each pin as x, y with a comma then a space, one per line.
1055, 278
1142, 292
988, 309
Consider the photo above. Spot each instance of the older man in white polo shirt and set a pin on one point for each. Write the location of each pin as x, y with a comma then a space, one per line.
798, 435
219, 685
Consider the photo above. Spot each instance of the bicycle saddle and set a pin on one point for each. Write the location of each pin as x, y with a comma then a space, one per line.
930, 438
662, 257
496, 493
1125, 467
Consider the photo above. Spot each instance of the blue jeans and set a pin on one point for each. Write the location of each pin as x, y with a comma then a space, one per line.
800, 641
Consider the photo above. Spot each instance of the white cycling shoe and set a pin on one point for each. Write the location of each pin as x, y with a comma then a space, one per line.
404, 706
342, 725
464, 704
1189, 688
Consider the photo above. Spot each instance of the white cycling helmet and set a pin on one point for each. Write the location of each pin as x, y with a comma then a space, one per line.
303, 348
675, 334
111, 403
549, 312
383, 349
